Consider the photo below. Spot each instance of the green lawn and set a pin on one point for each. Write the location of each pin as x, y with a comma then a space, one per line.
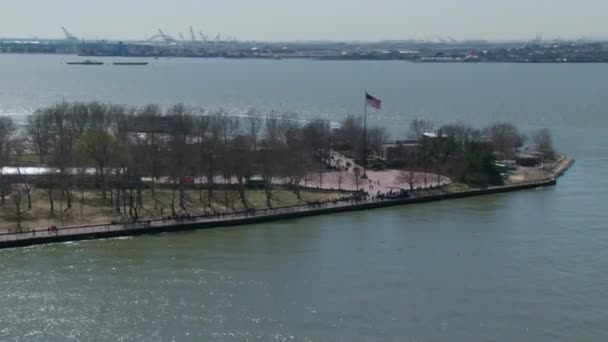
93, 209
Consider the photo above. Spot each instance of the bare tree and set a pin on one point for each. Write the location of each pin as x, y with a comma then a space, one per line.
254, 127
239, 158
316, 136
272, 152
460, 132
425, 157
98, 146
505, 138
149, 131
298, 158
38, 133
418, 127
98, 116
78, 116
17, 191
340, 179
211, 153
63, 140
543, 142
408, 176
269, 170
357, 177
350, 136
7, 143
228, 128
202, 132
376, 138
179, 131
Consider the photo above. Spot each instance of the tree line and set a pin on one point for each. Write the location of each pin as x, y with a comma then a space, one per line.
120, 151
177, 148
466, 153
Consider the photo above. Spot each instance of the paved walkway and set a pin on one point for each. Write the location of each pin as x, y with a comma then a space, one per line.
561, 166
38, 236
383, 181
386, 184
378, 182
167, 223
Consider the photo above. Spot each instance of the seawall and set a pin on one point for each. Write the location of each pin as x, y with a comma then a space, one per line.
113, 231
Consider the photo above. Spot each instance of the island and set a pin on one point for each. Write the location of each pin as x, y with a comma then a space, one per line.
80, 171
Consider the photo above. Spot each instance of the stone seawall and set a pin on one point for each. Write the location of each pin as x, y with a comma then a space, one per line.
104, 232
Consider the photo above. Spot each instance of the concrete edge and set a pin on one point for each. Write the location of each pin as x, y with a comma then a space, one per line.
270, 218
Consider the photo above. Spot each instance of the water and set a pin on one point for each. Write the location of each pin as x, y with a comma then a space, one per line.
528, 266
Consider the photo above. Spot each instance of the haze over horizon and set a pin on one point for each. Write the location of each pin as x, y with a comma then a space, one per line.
276, 20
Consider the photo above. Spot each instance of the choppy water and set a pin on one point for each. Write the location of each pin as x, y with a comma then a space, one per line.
527, 266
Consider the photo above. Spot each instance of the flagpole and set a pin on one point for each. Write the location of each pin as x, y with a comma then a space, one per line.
364, 135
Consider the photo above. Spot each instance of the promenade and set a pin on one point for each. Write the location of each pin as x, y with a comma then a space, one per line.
343, 177
71, 233
77, 233
357, 201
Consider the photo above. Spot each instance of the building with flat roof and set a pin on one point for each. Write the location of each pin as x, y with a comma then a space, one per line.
399, 151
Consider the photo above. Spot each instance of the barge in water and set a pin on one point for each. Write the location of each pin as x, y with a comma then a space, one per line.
130, 63
87, 62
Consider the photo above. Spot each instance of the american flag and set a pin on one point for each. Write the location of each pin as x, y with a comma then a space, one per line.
372, 101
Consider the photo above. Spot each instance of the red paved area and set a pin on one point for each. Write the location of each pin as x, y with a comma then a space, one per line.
383, 181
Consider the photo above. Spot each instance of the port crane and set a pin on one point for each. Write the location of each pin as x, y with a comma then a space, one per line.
441, 40
68, 35
538, 40
167, 38
182, 38
192, 35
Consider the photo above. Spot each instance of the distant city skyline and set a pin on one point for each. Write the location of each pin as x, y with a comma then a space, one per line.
335, 20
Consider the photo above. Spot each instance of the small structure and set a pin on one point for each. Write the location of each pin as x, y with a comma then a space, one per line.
256, 181
543, 155
400, 151
527, 159
432, 135
504, 166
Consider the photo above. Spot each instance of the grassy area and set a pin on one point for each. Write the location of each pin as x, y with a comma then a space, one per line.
92, 209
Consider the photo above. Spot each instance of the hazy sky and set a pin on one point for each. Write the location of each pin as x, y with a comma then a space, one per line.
307, 19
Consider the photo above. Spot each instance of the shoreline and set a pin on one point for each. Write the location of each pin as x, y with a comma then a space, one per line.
151, 227
328, 58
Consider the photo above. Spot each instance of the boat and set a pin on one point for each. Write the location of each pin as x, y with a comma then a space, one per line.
87, 62
130, 63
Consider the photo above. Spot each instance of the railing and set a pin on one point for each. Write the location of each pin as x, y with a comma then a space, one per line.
267, 212
172, 221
